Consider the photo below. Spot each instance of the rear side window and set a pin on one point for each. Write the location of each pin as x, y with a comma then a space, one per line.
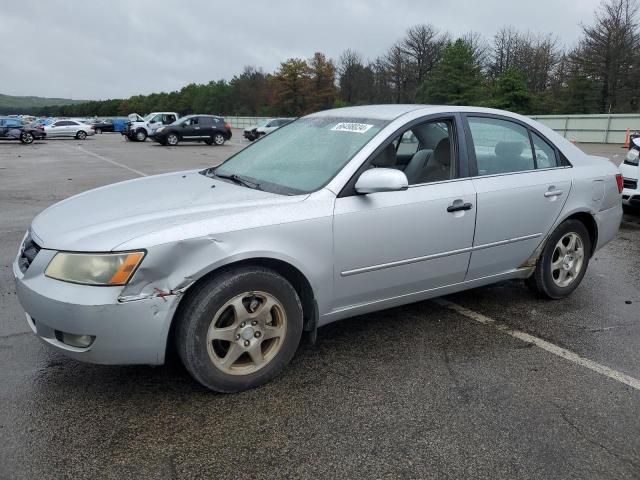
545, 154
12, 122
206, 121
168, 119
500, 146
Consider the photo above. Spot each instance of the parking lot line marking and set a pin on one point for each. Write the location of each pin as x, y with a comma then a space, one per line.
543, 344
113, 162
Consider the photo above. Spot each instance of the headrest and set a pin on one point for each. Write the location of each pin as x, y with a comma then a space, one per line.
509, 149
387, 157
442, 152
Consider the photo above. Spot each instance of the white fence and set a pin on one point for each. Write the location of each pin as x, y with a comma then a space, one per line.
592, 128
581, 128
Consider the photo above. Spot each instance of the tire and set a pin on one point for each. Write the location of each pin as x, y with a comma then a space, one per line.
141, 135
81, 135
218, 139
172, 139
208, 314
563, 262
98, 130
27, 138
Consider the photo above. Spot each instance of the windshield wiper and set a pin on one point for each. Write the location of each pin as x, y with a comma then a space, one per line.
238, 179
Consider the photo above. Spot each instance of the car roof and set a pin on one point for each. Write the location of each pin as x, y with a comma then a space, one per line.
393, 111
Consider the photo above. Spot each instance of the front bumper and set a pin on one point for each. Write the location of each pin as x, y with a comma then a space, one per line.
133, 332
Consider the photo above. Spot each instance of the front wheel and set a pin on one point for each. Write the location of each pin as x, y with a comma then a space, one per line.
27, 138
81, 135
141, 135
239, 329
218, 139
563, 262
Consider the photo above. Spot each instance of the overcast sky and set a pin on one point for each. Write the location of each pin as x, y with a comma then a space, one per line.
117, 48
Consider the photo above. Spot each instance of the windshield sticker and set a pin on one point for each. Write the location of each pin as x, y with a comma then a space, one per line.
352, 127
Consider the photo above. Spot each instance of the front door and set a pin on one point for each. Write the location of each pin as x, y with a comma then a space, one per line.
391, 244
521, 186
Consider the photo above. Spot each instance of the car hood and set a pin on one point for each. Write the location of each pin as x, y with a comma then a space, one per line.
102, 219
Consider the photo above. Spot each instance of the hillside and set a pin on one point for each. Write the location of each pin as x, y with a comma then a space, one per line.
9, 102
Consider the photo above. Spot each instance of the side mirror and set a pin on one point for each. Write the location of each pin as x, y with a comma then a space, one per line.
381, 180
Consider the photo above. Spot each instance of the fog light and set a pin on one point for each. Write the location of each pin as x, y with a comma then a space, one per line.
78, 341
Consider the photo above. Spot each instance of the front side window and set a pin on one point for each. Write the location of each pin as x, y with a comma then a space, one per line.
11, 122
168, 119
303, 156
501, 146
424, 152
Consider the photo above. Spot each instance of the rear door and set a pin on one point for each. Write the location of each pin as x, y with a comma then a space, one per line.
206, 127
521, 185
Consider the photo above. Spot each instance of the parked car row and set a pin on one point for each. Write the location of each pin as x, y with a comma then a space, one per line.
168, 128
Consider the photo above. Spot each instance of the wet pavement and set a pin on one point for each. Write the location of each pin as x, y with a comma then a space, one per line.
413, 392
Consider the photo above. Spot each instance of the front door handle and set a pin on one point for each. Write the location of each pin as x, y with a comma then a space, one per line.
457, 207
553, 193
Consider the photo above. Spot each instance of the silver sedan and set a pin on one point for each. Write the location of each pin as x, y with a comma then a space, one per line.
339, 213
69, 128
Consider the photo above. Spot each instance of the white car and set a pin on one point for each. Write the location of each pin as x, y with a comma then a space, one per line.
265, 126
69, 128
630, 170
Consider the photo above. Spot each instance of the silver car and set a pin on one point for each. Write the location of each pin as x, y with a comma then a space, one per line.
69, 128
339, 213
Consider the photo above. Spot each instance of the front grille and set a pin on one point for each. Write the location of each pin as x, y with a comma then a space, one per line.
630, 183
29, 251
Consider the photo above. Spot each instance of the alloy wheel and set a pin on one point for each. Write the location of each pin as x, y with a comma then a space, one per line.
246, 333
567, 260
218, 139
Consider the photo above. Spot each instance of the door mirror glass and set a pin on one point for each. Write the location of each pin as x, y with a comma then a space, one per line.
381, 180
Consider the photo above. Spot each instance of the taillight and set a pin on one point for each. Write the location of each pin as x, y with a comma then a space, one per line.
619, 182
227, 126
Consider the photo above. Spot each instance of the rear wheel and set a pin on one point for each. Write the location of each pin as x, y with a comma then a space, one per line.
239, 329
172, 139
563, 262
218, 139
27, 138
98, 130
81, 135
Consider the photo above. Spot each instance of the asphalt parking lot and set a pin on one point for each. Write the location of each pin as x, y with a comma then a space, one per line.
494, 384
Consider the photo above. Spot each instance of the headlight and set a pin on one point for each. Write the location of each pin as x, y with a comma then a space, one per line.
632, 157
94, 268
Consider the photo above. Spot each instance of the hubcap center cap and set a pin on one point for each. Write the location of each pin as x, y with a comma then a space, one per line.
247, 333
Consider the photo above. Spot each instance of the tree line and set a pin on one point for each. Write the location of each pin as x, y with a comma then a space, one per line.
525, 72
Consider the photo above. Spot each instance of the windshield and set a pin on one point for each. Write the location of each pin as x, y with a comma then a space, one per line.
302, 156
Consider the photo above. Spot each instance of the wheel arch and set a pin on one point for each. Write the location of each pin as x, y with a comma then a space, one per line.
290, 272
588, 220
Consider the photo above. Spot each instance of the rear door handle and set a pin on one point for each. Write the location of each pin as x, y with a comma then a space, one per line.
553, 193
457, 207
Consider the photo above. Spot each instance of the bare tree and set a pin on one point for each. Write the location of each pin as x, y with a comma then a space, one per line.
480, 48
608, 51
423, 46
